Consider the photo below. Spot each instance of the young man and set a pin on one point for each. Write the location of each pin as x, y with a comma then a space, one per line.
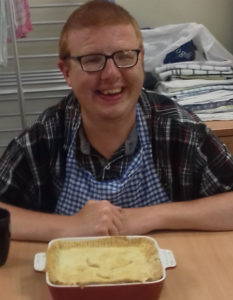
111, 159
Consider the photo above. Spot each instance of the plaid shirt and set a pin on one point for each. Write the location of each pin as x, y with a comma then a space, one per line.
101, 168
189, 160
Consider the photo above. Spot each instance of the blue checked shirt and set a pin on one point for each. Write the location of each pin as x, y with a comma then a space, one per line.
189, 160
134, 183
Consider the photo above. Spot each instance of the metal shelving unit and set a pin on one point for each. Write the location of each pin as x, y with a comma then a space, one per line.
31, 81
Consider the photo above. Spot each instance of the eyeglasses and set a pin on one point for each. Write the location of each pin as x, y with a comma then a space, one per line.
97, 62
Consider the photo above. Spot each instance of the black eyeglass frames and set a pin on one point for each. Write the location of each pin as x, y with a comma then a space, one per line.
97, 62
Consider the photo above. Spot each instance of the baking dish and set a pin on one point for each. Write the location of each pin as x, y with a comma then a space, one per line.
111, 291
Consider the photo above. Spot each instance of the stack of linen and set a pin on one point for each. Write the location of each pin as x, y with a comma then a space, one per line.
204, 87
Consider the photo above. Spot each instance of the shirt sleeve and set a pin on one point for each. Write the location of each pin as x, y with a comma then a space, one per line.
217, 164
24, 171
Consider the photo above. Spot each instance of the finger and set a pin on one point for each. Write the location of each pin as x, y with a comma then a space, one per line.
118, 223
112, 223
111, 210
116, 210
110, 217
118, 220
113, 230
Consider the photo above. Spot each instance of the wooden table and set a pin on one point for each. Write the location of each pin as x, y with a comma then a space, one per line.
204, 268
224, 130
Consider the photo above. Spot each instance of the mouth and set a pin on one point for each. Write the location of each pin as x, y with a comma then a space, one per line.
111, 92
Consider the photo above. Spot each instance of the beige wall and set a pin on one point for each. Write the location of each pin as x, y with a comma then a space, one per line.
216, 15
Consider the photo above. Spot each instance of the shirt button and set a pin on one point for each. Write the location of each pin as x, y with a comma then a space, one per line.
108, 167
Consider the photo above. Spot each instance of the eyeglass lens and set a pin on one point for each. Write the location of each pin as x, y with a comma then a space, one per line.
121, 59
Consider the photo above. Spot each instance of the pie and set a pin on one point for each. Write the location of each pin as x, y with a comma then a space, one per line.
103, 260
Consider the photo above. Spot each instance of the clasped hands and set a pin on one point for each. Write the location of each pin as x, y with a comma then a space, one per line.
100, 217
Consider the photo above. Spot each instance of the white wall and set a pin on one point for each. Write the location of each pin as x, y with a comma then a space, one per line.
216, 15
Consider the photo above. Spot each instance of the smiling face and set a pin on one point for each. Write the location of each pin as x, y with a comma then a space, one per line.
112, 93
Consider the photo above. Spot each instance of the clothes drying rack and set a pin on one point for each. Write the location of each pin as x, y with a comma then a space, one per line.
21, 90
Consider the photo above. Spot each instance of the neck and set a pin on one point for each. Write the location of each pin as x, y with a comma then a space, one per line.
106, 137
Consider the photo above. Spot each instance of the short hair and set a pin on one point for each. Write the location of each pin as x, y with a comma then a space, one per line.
95, 13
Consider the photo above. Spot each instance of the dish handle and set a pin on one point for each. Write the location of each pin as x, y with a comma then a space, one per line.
39, 262
167, 258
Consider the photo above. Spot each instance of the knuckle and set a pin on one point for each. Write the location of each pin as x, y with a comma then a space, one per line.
105, 203
105, 211
104, 219
101, 229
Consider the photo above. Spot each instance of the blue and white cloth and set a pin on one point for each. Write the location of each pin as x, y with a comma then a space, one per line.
199, 86
138, 186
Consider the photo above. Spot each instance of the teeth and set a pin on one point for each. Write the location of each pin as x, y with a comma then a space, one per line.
111, 92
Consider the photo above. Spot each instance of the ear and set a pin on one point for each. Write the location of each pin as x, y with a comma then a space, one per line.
64, 68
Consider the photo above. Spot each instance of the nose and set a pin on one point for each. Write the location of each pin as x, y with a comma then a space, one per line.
110, 70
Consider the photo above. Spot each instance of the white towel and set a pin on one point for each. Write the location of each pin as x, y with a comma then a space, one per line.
179, 84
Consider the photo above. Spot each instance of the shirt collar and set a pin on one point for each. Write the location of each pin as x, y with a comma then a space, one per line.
129, 145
